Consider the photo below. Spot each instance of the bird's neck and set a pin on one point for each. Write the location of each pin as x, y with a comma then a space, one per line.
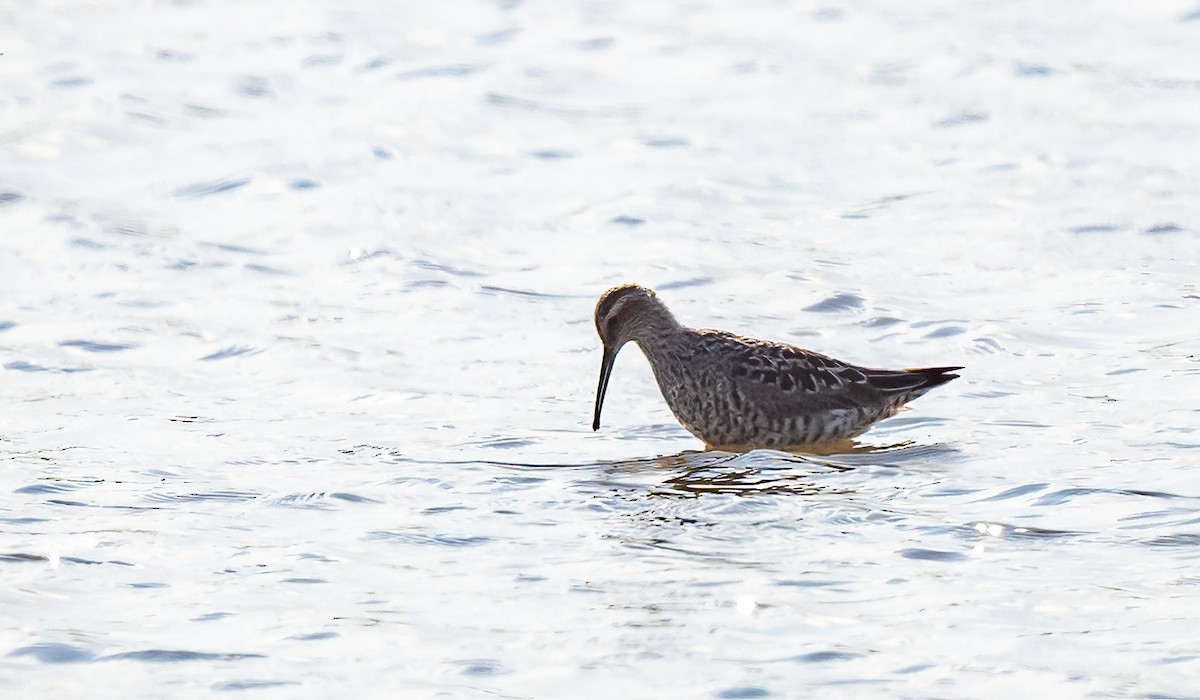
655, 330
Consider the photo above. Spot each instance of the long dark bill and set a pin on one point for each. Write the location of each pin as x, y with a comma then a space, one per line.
606, 365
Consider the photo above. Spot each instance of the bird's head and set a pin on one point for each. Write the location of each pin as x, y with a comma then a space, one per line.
625, 313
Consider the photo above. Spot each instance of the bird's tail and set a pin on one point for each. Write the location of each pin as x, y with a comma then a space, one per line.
910, 382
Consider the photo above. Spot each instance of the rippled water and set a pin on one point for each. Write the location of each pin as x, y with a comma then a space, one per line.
298, 359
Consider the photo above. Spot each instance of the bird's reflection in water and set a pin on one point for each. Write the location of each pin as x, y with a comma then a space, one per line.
694, 473
746, 481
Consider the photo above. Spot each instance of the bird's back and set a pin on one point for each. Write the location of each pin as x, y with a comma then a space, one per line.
732, 390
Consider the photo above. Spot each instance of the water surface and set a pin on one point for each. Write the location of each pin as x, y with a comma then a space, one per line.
297, 353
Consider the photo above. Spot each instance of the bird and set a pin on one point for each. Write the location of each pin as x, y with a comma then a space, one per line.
735, 392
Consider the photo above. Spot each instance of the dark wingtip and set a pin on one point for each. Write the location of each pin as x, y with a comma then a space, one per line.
919, 379
935, 376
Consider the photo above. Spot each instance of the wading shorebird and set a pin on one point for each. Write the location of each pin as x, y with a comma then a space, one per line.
732, 391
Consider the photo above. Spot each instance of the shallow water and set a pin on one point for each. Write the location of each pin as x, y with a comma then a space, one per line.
298, 359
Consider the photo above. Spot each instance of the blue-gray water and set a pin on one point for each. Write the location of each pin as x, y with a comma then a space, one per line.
298, 360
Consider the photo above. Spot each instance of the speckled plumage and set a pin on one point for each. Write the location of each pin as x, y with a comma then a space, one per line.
729, 390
